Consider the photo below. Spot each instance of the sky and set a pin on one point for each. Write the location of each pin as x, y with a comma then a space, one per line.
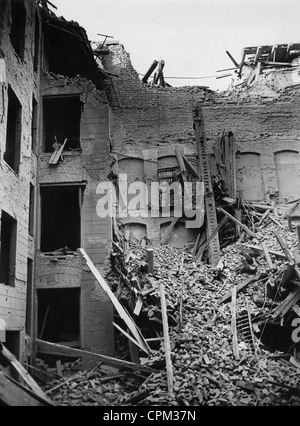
191, 36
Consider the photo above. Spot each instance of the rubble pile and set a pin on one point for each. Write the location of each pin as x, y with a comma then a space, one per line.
205, 369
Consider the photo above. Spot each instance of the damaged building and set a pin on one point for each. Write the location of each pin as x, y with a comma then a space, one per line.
73, 116
55, 148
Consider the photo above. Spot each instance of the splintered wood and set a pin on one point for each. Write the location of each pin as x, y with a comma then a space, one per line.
206, 325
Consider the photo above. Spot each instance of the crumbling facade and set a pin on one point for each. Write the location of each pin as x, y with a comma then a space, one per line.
18, 181
150, 121
51, 93
71, 118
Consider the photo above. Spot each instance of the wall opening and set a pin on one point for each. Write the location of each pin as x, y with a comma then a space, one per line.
18, 27
14, 130
8, 249
59, 315
13, 343
250, 183
34, 124
288, 175
62, 117
31, 210
30, 300
37, 42
61, 217
181, 236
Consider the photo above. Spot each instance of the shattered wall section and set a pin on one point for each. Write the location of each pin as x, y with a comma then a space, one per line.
17, 74
84, 168
268, 140
148, 118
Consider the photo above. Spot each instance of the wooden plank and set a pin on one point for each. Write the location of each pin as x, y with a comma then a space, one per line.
24, 375
140, 341
239, 288
287, 253
150, 260
57, 154
138, 306
54, 349
169, 230
134, 351
250, 233
167, 343
150, 71
267, 255
233, 324
260, 250
232, 59
181, 163
190, 168
127, 335
13, 396
287, 304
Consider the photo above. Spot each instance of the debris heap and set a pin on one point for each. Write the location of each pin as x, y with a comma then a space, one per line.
224, 349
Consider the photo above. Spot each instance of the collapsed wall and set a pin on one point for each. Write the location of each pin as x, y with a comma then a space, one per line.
264, 123
148, 124
268, 137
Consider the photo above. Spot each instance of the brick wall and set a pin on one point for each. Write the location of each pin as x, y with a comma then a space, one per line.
261, 126
14, 188
89, 167
264, 124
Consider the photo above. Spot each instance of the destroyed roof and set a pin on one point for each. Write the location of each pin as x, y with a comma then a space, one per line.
70, 51
283, 54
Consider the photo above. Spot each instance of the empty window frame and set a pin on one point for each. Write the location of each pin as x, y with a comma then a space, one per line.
30, 299
8, 249
37, 42
62, 117
14, 131
31, 209
13, 341
18, 27
59, 315
61, 218
34, 124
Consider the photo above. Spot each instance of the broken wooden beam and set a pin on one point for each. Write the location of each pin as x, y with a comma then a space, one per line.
150, 260
23, 374
12, 395
56, 156
287, 304
140, 341
167, 343
244, 227
267, 255
181, 163
239, 288
169, 230
150, 71
60, 350
138, 397
260, 250
287, 253
233, 323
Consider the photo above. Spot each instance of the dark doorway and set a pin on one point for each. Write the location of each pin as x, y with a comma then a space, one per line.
14, 131
18, 26
13, 343
61, 212
8, 249
62, 121
59, 315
